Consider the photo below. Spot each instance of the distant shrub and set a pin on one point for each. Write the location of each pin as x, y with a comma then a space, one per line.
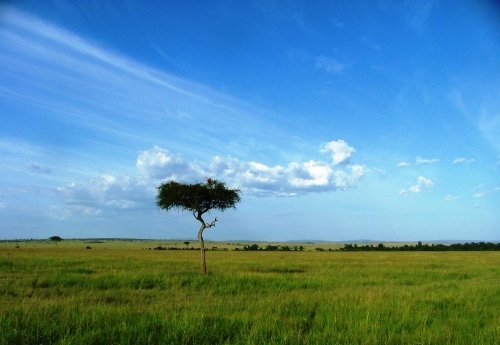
251, 247
270, 248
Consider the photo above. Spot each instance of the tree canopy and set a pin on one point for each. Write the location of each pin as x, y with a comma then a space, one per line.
55, 239
198, 198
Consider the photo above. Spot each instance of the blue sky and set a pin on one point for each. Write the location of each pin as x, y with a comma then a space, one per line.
338, 120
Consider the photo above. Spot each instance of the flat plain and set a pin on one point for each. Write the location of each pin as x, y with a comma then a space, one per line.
124, 293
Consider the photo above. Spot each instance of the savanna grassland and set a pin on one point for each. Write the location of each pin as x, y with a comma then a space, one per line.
119, 293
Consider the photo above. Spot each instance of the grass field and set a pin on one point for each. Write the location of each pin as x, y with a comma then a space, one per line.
120, 293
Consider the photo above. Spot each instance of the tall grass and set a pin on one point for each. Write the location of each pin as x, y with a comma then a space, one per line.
133, 296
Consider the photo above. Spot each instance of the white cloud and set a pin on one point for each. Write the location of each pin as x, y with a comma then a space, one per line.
462, 160
340, 151
403, 164
108, 193
345, 180
3, 204
124, 204
309, 174
253, 177
422, 183
290, 180
158, 163
330, 64
419, 160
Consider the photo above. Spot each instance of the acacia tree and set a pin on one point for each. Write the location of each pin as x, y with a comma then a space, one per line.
55, 239
198, 198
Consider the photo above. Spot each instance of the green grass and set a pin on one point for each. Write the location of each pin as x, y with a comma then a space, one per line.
116, 294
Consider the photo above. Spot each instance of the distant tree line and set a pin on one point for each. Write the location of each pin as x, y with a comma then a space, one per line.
472, 246
272, 248
187, 248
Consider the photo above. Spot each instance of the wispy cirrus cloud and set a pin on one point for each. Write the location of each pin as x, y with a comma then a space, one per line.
108, 105
489, 123
483, 112
482, 190
110, 97
428, 161
418, 161
463, 160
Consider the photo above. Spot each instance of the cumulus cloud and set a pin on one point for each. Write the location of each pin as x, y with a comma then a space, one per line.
310, 174
158, 163
106, 193
403, 164
346, 179
419, 160
422, 183
339, 150
256, 177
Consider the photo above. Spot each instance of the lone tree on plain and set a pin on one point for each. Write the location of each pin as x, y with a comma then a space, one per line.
55, 239
198, 198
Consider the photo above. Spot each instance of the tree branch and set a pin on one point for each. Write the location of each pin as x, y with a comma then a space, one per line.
212, 224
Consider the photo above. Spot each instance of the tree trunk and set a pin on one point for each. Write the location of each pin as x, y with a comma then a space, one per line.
202, 249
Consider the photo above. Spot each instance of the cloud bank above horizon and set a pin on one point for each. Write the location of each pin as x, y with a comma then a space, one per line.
157, 165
